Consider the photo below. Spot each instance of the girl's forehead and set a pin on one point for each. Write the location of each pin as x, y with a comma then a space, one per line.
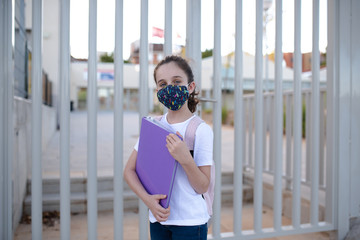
169, 70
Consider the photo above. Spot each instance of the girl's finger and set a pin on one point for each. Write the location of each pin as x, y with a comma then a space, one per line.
160, 219
168, 139
173, 139
164, 212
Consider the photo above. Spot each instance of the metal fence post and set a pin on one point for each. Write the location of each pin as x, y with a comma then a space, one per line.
258, 119
315, 120
36, 133
168, 28
65, 207
239, 145
217, 117
143, 97
6, 121
278, 119
118, 123
92, 100
296, 201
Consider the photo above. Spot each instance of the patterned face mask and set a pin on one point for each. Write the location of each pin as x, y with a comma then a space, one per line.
173, 97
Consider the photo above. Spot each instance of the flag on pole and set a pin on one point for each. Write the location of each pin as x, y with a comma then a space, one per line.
157, 32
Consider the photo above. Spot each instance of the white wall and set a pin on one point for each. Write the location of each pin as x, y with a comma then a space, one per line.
22, 148
51, 45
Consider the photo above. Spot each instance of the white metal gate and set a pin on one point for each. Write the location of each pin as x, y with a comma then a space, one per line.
327, 179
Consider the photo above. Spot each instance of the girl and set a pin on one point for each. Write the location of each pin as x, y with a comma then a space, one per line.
187, 215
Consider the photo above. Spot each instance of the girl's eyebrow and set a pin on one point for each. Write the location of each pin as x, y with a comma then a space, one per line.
161, 80
173, 78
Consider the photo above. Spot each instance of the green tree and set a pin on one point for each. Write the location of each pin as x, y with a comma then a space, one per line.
207, 53
109, 58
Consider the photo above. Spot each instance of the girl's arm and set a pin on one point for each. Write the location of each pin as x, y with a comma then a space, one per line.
151, 201
199, 177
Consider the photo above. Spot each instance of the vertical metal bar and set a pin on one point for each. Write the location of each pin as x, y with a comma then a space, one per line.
197, 44
217, 117
296, 207
92, 100
264, 134
144, 56
343, 82
331, 110
308, 135
245, 126
36, 120
246, 132
238, 122
10, 123
258, 118
278, 118
322, 139
118, 123
65, 120
189, 29
272, 134
315, 86
251, 122
7, 127
355, 110
168, 28
193, 39
289, 134
3, 74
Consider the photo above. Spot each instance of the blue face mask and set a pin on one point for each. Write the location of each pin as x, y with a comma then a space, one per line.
173, 97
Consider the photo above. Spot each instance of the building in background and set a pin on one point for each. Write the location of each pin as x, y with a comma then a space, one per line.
306, 61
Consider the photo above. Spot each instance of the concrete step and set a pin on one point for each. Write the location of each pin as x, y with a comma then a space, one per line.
105, 183
51, 194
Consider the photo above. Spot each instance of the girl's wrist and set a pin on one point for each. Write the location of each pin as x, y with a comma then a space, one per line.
187, 161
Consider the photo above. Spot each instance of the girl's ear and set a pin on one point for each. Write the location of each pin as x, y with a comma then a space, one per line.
191, 87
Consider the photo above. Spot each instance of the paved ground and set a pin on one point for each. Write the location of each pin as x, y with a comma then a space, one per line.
105, 145
105, 226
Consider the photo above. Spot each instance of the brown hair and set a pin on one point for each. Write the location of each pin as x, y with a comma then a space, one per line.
183, 64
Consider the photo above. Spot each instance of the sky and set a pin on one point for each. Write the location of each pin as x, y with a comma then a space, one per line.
106, 25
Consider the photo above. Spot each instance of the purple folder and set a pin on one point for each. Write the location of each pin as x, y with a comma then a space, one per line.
155, 166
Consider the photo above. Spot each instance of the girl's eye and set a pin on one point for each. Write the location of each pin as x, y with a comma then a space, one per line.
162, 85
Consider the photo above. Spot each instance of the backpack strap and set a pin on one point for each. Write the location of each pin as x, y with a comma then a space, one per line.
190, 142
191, 132
209, 195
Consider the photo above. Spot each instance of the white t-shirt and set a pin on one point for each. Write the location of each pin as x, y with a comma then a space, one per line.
188, 208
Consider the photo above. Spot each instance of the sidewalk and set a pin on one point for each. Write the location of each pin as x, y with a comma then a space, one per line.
105, 145
131, 231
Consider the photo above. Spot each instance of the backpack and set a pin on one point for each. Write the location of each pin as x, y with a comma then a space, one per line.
190, 140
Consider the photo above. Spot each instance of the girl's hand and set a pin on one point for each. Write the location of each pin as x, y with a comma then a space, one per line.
199, 177
178, 148
161, 214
